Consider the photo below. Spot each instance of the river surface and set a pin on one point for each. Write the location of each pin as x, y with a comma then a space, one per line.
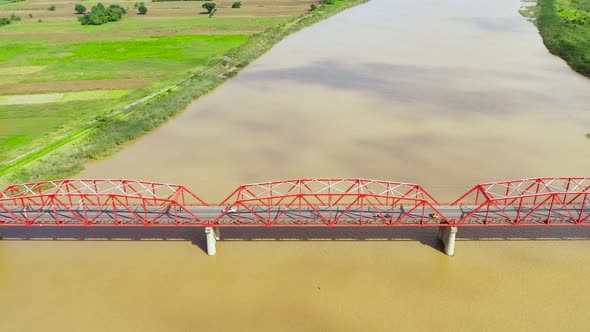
444, 94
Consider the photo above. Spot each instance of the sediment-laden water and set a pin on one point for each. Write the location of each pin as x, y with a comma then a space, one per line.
442, 94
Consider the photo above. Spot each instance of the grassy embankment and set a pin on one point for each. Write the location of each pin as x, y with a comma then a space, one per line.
102, 140
565, 28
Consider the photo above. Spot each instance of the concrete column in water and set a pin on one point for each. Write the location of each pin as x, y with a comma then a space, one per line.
213, 235
447, 235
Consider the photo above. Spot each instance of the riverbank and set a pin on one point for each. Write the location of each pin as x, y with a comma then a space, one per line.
109, 134
565, 28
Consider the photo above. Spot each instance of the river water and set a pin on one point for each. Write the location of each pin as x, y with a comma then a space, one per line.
442, 94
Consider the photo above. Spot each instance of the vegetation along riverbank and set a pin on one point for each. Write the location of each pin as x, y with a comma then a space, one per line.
160, 59
565, 28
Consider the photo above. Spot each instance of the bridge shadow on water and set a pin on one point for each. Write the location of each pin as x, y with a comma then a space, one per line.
426, 236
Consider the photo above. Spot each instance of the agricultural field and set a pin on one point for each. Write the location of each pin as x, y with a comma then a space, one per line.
57, 75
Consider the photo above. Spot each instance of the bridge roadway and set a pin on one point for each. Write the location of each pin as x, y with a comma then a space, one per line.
281, 216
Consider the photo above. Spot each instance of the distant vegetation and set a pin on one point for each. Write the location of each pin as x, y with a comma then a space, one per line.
565, 28
142, 9
51, 8
209, 6
236, 4
100, 14
8, 20
80, 9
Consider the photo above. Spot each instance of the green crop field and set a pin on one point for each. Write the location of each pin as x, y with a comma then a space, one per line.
57, 75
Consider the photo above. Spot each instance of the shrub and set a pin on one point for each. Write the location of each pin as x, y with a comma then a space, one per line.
4, 21
236, 4
327, 2
80, 9
142, 9
30, 15
51, 8
313, 6
209, 6
14, 18
100, 15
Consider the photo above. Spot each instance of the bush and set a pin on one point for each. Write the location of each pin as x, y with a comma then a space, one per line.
4, 21
80, 9
14, 18
209, 6
327, 2
236, 4
142, 9
30, 15
51, 8
100, 15
313, 6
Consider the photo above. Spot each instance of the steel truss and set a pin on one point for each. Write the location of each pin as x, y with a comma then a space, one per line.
295, 203
97, 203
528, 202
330, 202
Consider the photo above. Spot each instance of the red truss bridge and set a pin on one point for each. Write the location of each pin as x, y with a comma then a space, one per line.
296, 203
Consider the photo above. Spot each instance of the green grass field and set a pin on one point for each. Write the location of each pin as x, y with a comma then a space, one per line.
67, 155
48, 53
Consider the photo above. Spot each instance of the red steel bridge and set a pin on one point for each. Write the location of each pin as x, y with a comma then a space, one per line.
296, 203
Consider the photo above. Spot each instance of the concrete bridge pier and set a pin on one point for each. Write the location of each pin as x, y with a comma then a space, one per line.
447, 235
213, 234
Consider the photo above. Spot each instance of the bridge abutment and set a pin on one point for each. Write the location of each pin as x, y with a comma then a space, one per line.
213, 234
447, 235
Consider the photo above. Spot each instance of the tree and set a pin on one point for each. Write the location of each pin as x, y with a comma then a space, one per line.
313, 6
237, 4
142, 9
80, 9
51, 8
100, 15
209, 6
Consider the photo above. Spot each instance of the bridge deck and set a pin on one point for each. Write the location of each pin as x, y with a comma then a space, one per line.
283, 216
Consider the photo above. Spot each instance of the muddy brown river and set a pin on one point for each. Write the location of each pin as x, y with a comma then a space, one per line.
442, 94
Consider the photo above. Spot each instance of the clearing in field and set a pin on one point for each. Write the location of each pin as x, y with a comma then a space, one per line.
56, 74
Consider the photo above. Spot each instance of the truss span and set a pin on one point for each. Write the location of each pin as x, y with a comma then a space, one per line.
557, 201
330, 202
96, 203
